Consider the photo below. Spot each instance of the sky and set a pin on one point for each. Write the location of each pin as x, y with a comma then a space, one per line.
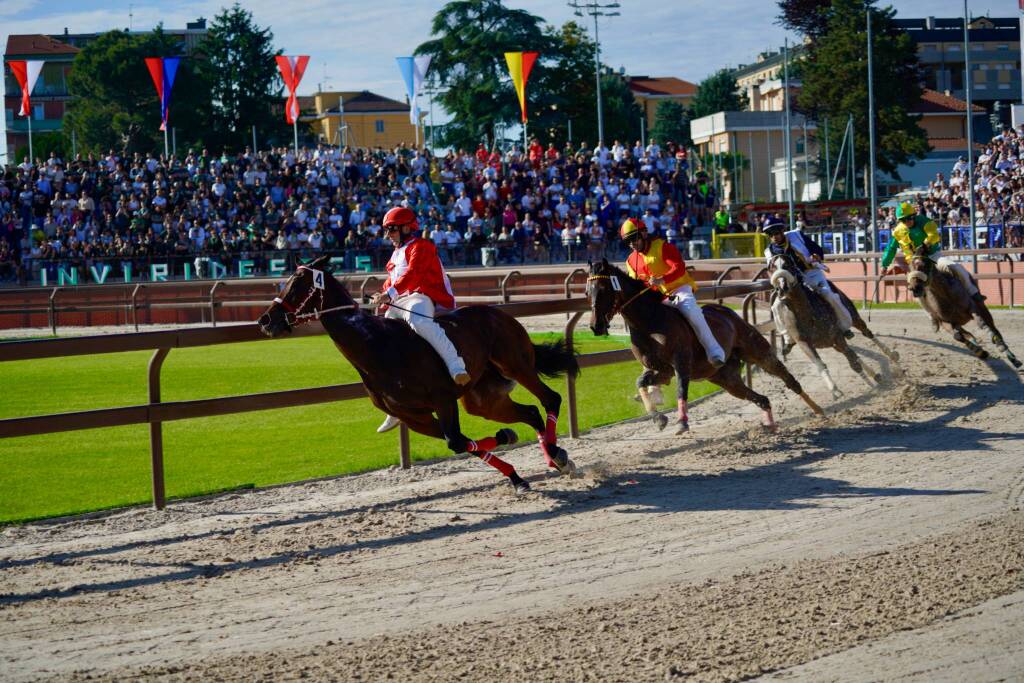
352, 45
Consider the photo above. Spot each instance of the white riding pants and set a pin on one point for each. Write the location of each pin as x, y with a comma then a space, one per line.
951, 267
419, 314
686, 302
815, 279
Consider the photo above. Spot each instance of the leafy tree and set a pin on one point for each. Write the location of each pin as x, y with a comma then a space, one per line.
43, 144
565, 87
671, 123
718, 92
467, 52
115, 105
807, 17
243, 80
835, 83
622, 114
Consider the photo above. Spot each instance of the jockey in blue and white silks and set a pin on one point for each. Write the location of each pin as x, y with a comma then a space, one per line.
807, 255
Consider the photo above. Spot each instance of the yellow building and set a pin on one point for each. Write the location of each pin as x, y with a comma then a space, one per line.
360, 119
649, 92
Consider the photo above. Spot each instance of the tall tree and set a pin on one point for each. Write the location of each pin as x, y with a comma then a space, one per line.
114, 103
718, 92
244, 83
835, 83
671, 123
807, 17
622, 114
467, 53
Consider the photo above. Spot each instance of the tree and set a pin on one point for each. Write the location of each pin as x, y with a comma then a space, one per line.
467, 53
243, 80
835, 83
621, 112
671, 123
807, 17
717, 92
114, 103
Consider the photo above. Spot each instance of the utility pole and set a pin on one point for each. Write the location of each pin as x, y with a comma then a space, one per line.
871, 144
788, 132
596, 9
968, 86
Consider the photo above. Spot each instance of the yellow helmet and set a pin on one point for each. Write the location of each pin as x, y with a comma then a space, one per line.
905, 210
630, 229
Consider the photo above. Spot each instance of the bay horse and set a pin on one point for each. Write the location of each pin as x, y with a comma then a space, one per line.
948, 303
664, 343
406, 378
810, 321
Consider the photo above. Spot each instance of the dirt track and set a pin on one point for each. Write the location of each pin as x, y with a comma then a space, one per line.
885, 542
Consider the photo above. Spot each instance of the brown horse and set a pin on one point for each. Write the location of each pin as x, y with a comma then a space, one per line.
406, 378
950, 305
664, 343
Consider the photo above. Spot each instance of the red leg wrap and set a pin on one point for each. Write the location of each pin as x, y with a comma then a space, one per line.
488, 443
496, 462
551, 429
544, 449
683, 415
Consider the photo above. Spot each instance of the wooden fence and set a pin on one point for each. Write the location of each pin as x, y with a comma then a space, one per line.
156, 412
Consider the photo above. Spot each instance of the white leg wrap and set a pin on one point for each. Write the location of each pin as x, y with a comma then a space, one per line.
687, 304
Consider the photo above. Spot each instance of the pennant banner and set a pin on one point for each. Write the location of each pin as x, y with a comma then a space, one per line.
414, 73
519, 66
26, 72
163, 71
292, 69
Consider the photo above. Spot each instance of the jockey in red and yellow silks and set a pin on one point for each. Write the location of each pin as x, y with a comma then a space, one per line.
660, 265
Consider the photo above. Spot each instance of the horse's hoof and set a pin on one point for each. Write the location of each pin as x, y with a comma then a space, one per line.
682, 427
894, 356
521, 487
507, 437
837, 394
1016, 363
659, 420
560, 459
982, 354
771, 429
879, 379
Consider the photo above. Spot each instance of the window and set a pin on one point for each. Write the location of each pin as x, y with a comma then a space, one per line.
379, 125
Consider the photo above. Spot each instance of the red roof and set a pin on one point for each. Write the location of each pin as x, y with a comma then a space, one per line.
933, 102
667, 85
37, 44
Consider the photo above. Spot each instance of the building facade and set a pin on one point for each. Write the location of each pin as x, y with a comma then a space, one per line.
50, 95
650, 92
360, 119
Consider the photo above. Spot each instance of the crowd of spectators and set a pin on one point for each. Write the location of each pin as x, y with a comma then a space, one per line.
998, 195
539, 204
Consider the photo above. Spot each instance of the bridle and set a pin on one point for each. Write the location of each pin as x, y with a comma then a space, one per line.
295, 315
617, 307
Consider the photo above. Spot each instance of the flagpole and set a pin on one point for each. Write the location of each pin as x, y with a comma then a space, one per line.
167, 152
295, 130
31, 156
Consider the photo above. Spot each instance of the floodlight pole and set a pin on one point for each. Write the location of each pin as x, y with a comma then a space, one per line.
871, 145
596, 9
970, 136
788, 133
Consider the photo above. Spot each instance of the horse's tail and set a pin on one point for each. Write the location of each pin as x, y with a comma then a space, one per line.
555, 358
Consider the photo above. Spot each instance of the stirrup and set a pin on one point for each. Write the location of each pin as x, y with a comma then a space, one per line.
389, 423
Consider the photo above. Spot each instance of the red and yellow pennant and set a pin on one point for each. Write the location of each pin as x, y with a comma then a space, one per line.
519, 66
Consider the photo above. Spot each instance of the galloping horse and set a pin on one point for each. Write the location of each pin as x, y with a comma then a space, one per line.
406, 378
810, 322
664, 343
949, 304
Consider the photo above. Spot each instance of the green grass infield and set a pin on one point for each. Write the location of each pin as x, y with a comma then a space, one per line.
74, 472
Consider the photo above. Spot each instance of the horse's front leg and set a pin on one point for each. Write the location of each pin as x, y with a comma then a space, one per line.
448, 416
645, 384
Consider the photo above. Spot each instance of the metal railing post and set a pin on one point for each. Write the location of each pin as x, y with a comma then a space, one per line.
156, 438
722, 276
403, 447
52, 314
570, 381
135, 306
504, 285
568, 285
213, 303
750, 317
362, 286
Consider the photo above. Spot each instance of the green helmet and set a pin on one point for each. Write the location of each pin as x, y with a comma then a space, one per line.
905, 210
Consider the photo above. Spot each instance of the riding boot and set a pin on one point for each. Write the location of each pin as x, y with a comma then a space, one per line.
389, 423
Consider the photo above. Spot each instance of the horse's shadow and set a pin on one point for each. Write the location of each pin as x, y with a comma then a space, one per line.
790, 484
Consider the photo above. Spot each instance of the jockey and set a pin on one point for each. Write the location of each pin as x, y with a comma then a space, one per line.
660, 265
807, 255
418, 287
911, 232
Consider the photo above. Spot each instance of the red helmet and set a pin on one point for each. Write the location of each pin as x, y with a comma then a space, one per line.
400, 216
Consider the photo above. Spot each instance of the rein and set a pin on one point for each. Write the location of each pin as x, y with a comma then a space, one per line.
619, 308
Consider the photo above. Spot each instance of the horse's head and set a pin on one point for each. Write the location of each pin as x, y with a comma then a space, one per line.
785, 276
604, 288
921, 268
306, 294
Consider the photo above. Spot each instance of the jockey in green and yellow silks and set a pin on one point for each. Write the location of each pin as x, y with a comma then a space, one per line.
914, 230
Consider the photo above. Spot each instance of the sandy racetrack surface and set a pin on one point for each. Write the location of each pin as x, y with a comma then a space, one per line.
883, 542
